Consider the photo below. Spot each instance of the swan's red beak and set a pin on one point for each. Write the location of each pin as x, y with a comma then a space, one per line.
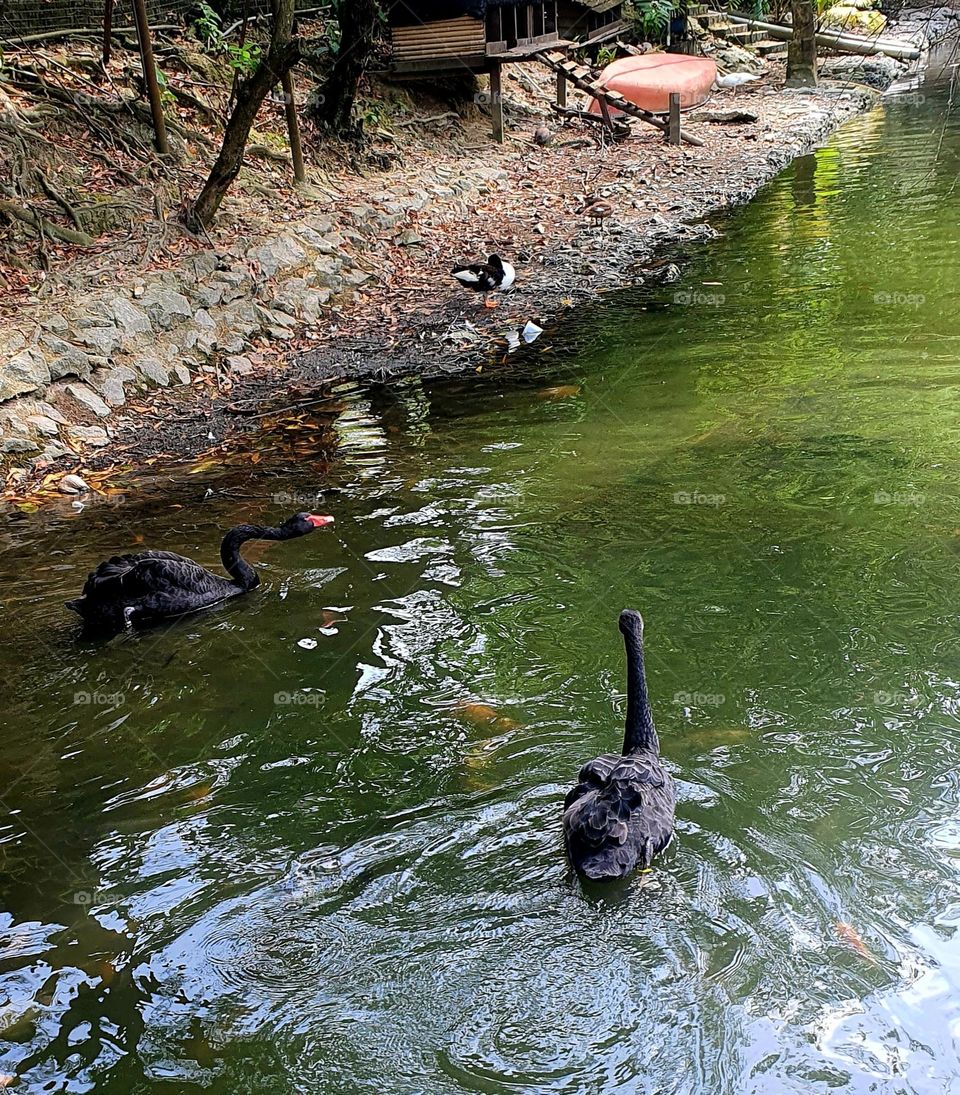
319, 520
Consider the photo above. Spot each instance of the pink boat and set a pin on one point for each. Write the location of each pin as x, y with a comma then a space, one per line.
647, 81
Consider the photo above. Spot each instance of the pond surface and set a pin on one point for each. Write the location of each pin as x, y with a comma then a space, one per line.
310, 841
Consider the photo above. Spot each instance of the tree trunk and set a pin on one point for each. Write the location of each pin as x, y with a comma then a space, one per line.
358, 30
802, 52
283, 54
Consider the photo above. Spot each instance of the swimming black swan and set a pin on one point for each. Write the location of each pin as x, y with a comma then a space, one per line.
620, 814
143, 589
485, 277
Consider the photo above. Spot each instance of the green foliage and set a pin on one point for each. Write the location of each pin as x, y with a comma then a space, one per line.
650, 18
605, 54
244, 59
209, 28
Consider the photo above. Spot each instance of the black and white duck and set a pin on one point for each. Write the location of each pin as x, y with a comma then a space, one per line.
486, 277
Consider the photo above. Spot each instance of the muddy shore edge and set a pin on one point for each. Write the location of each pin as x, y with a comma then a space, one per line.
398, 312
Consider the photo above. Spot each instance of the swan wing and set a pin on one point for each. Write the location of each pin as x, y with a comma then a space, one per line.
126, 577
610, 829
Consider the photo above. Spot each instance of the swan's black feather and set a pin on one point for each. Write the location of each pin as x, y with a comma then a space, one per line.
142, 589
150, 586
615, 824
619, 814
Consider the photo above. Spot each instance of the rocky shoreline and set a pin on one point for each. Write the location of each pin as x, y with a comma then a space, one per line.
363, 292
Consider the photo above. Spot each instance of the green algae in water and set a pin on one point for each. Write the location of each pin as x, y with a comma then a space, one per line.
243, 863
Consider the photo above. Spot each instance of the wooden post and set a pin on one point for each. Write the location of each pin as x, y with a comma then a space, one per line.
293, 128
673, 130
605, 111
290, 110
561, 89
150, 75
107, 30
496, 102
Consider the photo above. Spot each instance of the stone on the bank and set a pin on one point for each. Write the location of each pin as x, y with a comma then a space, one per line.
94, 436
55, 322
43, 425
88, 399
165, 306
66, 359
877, 72
152, 368
103, 340
281, 253
239, 363
131, 319
110, 384
18, 444
24, 372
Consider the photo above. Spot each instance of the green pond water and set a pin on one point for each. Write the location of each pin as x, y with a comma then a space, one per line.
273, 847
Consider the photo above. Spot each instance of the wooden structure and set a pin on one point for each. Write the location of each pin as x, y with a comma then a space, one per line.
590, 22
434, 36
584, 80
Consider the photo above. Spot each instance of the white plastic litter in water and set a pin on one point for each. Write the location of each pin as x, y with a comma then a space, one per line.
308, 644
328, 631
531, 331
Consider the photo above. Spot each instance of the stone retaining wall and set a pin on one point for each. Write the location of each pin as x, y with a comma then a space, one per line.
62, 373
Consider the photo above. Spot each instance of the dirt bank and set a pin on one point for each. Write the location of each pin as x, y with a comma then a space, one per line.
362, 289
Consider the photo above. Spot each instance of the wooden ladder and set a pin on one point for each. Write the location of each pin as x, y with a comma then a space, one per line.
584, 79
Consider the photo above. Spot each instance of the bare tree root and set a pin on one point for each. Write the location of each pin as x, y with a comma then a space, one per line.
42, 226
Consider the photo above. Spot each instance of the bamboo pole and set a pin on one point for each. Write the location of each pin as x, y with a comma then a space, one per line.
835, 39
150, 75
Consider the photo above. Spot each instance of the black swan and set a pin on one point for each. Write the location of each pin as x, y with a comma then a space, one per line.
620, 814
485, 277
140, 590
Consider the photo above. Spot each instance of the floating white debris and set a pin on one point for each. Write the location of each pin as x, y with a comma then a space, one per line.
328, 631
308, 644
531, 331
73, 484
513, 340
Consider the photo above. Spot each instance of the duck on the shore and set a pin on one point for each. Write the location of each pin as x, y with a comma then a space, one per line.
597, 210
143, 589
620, 814
486, 277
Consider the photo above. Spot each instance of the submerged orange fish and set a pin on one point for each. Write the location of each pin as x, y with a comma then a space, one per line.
848, 934
482, 714
561, 391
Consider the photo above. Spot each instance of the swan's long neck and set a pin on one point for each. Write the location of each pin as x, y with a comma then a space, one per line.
640, 734
239, 570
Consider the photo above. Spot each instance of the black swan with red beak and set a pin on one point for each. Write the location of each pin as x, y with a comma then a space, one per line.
140, 590
620, 814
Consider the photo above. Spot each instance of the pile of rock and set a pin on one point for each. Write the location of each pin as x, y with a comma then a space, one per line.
62, 373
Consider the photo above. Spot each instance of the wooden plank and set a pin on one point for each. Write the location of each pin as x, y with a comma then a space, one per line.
561, 90
496, 102
673, 131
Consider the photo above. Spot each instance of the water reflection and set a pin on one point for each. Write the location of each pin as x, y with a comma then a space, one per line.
311, 840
